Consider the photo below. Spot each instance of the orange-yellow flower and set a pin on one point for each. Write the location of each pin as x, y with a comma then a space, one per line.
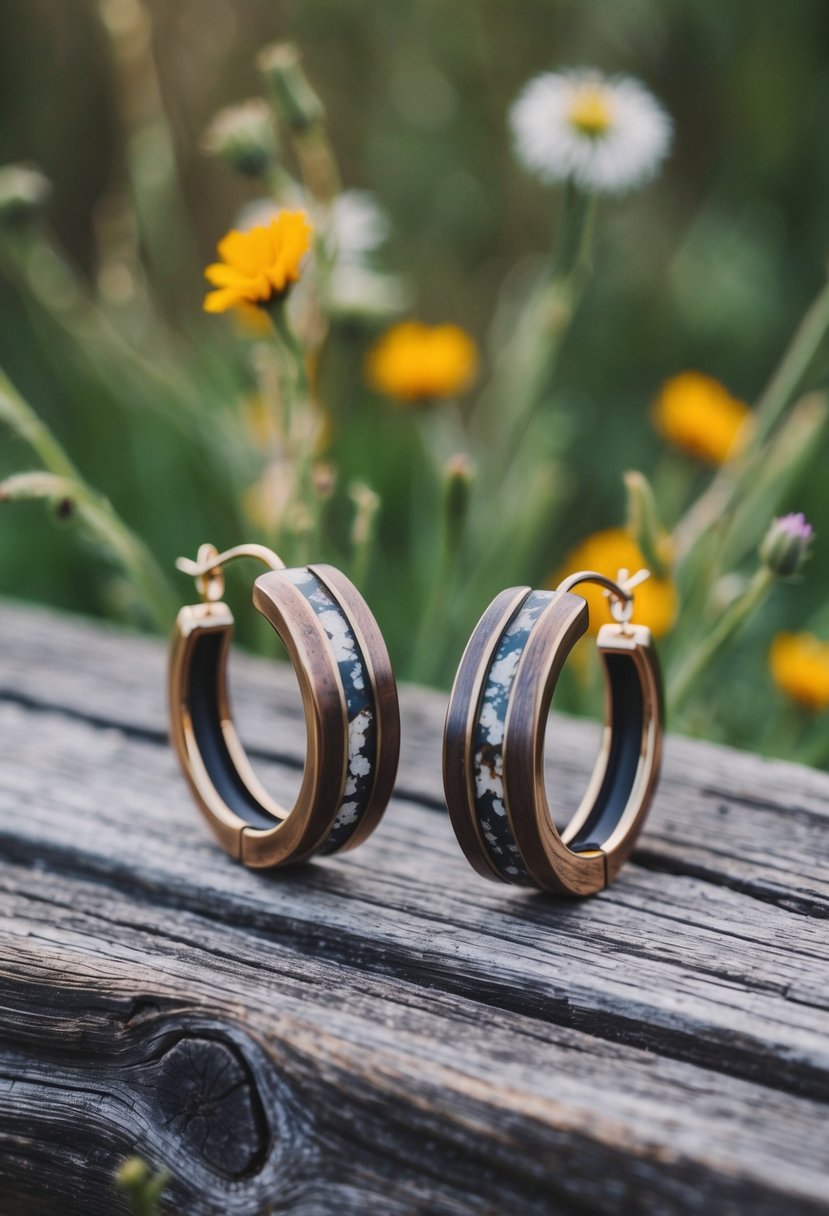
260, 264
417, 363
608, 552
698, 414
799, 665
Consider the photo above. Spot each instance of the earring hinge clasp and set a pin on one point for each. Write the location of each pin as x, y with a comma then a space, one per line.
619, 591
207, 568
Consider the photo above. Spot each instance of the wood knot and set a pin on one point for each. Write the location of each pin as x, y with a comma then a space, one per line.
207, 1095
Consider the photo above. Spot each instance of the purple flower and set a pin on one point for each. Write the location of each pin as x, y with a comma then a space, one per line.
786, 545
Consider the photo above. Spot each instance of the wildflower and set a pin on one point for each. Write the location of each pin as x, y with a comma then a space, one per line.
359, 225
245, 137
24, 192
607, 135
799, 665
786, 545
293, 97
415, 362
260, 265
698, 414
608, 552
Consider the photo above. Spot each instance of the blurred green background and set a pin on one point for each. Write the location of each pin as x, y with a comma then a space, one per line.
709, 268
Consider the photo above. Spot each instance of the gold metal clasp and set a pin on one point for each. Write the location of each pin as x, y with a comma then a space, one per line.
207, 568
619, 592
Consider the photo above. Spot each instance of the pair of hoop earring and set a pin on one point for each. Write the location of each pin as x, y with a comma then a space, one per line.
493, 749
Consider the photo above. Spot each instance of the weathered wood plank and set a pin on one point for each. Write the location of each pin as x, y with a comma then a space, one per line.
638, 1051
663, 960
356, 1093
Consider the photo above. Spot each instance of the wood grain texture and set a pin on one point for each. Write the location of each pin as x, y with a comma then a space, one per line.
388, 1032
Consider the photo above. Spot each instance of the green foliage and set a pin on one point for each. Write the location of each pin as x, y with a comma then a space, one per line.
144, 1188
155, 428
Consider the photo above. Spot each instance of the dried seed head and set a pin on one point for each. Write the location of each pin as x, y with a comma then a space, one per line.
244, 136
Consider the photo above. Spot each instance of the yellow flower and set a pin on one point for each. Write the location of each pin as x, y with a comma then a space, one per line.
259, 264
415, 362
252, 321
608, 552
698, 414
799, 665
589, 110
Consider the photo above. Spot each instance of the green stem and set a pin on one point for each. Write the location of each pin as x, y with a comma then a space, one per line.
295, 377
786, 382
573, 255
454, 516
789, 374
129, 551
537, 335
423, 663
20, 418
43, 275
726, 628
363, 532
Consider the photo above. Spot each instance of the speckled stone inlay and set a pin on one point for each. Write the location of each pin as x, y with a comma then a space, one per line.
488, 739
359, 699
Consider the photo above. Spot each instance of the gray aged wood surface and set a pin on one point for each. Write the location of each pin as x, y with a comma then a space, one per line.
387, 1032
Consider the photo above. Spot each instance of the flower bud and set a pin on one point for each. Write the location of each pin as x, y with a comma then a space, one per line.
644, 526
133, 1173
458, 475
786, 544
244, 137
294, 100
24, 192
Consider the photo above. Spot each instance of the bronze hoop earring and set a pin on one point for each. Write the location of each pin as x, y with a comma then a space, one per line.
493, 752
348, 693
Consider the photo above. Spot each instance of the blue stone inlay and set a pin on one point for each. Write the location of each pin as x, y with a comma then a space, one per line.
488, 740
359, 699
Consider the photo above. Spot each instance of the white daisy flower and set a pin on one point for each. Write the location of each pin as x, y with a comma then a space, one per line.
605, 135
358, 225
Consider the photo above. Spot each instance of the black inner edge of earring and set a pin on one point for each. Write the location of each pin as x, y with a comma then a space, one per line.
627, 710
207, 728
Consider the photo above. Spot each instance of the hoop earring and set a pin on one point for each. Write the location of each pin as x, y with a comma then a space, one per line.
348, 693
493, 751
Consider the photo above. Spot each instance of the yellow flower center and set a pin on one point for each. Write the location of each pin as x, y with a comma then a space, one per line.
699, 415
259, 265
590, 112
655, 601
799, 665
415, 362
